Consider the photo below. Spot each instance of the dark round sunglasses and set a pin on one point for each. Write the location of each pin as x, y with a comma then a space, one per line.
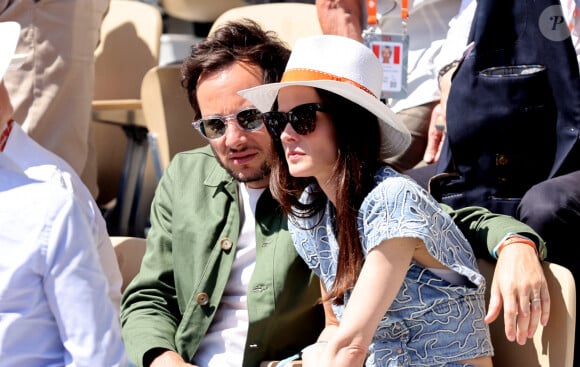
214, 127
302, 118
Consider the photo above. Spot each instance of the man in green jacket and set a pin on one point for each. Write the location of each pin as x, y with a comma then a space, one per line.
220, 283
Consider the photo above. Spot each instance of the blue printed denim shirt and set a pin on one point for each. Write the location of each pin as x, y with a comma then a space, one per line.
431, 322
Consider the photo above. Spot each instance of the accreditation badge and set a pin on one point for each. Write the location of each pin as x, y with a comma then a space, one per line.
393, 52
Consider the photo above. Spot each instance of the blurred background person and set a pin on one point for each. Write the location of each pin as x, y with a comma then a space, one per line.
52, 90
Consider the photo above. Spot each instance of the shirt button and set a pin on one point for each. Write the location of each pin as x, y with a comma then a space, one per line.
226, 244
259, 288
399, 351
202, 299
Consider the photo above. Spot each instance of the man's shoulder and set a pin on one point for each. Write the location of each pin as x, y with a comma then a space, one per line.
29, 196
200, 161
29, 154
201, 154
40, 164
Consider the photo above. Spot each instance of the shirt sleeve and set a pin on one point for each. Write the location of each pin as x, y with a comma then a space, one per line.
150, 300
457, 36
485, 229
76, 289
398, 207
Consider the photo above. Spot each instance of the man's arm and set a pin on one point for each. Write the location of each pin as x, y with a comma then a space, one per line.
340, 17
76, 290
485, 230
149, 310
519, 284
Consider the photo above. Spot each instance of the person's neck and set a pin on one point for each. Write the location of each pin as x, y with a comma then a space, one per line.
329, 189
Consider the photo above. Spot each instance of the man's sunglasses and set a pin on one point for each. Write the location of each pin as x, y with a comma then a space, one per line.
302, 118
214, 127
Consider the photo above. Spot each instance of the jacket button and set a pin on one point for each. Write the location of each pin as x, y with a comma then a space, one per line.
501, 160
226, 244
202, 299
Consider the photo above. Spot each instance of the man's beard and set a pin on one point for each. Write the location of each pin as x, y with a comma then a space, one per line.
259, 175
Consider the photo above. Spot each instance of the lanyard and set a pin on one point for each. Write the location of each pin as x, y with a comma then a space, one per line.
372, 13
5, 134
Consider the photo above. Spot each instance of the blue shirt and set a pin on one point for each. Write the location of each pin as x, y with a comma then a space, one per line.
54, 309
43, 165
431, 321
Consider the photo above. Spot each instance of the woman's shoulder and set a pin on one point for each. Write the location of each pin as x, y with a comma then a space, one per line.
391, 183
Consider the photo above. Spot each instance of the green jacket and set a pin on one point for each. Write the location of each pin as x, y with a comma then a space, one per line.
484, 229
194, 220
195, 223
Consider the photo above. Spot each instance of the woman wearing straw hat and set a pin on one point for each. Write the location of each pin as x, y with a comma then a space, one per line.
399, 281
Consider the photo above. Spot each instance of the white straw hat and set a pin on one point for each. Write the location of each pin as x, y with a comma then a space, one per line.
9, 32
342, 66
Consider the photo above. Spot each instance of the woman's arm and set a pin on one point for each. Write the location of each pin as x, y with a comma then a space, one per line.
312, 353
379, 282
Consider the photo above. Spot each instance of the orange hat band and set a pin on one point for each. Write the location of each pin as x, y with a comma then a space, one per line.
303, 75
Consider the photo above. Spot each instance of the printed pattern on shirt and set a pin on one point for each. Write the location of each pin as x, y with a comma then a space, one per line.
430, 322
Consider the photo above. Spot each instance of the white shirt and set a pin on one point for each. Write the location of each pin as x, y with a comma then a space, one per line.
224, 343
54, 309
428, 24
43, 165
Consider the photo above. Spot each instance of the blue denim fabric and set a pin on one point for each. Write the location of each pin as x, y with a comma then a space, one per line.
430, 322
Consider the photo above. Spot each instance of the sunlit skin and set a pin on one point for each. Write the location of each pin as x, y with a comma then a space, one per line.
245, 155
315, 154
5, 106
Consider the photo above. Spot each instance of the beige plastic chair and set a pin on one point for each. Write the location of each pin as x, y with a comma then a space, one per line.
129, 46
200, 11
168, 115
289, 20
129, 251
551, 346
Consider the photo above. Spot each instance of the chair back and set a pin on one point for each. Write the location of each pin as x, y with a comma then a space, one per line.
198, 11
168, 115
129, 46
289, 20
551, 346
130, 252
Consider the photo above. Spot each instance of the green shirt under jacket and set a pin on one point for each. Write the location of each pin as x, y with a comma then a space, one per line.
195, 223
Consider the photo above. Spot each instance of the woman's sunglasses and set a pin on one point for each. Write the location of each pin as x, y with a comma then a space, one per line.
214, 127
302, 118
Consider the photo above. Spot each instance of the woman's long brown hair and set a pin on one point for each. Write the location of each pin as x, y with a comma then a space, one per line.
358, 142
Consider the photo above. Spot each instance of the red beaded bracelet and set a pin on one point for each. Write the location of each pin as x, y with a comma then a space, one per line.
517, 239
